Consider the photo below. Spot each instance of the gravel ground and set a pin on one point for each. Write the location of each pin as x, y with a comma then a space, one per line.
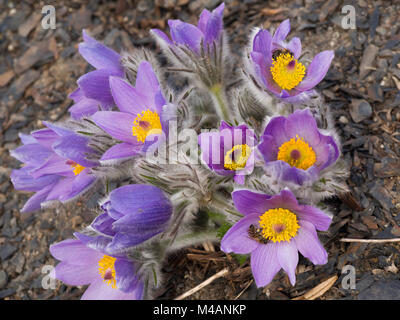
40, 67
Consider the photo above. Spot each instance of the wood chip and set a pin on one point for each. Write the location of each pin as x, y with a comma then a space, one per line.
319, 290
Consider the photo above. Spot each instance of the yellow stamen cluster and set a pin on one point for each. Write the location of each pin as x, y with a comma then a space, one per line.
77, 168
146, 123
279, 225
107, 270
286, 71
236, 158
297, 153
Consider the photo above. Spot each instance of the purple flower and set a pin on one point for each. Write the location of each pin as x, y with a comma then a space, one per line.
133, 214
273, 230
109, 277
94, 89
55, 166
142, 119
294, 147
230, 151
276, 66
208, 30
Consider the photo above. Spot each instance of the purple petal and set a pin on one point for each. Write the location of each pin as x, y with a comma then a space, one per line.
318, 218
54, 165
82, 182
100, 290
74, 252
117, 124
76, 275
294, 46
214, 25
34, 202
281, 32
76, 95
147, 83
121, 151
203, 19
84, 107
75, 148
95, 85
264, 263
161, 35
103, 224
237, 239
249, 202
185, 34
288, 257
308, 244
127, 98
22, 180
317, 70
34, 154
262, 70
101, 57
262, 43
125, 275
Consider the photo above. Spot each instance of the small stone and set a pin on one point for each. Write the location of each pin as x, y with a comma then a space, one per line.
367, 59
382, 290
7, 251
360, 110
7, 292
6, 77
3, 279
25, 28
343, 119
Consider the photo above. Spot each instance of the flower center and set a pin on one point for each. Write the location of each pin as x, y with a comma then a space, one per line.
297, 153
146, 123
286, 71
107, 270
236, 158
278, 225
77, 167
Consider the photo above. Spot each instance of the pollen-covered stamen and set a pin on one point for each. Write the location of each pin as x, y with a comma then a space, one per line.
236, 158
146, 123
279, 225
286, 71
107, 270
297, 153
77, 167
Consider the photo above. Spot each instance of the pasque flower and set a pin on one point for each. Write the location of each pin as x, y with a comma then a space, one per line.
133, 214
229, 151
208, 30
273, 230
276, 64
55, 165
296, 148
143, 117
109, 277
94, 90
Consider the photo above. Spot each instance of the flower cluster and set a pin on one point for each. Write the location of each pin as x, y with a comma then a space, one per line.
176, 154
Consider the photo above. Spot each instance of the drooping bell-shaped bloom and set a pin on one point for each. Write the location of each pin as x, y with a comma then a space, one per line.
108, 277
277, 68
143, 116
296, 149
55, 166
133, 214
208, 30
273, 230
229, 151
94, 92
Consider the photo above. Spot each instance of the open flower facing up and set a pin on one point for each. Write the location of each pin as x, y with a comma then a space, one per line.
276, 65
94, 89
294, 147
208, 30
274, 229
109, 277
55, 166
143, 117
133, 214
230, 151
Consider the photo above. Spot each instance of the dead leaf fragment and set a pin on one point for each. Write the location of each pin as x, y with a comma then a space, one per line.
319, 290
